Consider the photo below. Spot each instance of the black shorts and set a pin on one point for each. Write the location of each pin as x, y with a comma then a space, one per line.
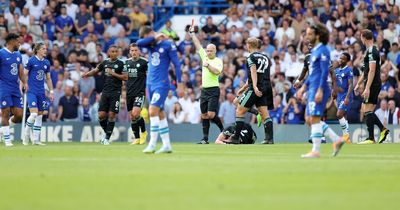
134, 101
249, 98
373, 95
109, 103
209, 100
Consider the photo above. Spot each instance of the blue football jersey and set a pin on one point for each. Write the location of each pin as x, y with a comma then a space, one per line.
343, 77
319, 68
9, 70
160, 56
38, 70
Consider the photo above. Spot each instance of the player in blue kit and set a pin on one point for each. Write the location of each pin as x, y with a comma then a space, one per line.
318, 90
38, 71
11, 69
344, 81
162, 52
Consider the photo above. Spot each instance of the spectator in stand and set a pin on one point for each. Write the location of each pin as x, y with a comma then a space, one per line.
82, 19
276, 114
105, 8
124, 20
293, 112
99, 25
169, 102
393, 55
383, 113
211, 30
235, 21
114, 28
64, 23
35, 8
171, 33
177, 115
227, 111
68, 107
193, 115
72, 9
84, 111
137, 17
87, 86
393, 118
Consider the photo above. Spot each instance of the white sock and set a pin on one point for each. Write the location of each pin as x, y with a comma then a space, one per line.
328, 132
316, 134
344, 125
164, 133
6, 133
29, 123
36, 128
154, 128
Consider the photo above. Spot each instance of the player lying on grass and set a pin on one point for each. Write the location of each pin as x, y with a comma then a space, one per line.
247, 135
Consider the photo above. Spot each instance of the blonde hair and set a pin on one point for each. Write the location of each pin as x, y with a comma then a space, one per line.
254, 42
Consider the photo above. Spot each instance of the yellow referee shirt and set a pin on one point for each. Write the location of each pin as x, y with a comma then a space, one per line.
209, 79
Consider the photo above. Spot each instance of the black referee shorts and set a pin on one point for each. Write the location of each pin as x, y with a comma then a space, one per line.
209, 100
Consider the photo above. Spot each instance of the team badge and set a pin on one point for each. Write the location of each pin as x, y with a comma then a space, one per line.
313, 59
342, 74
4, 103
45, 66
33, 103
137, 65
116, 66
161, 50
18, 59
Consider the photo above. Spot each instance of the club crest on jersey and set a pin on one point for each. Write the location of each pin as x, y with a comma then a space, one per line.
116, 66
161, 50
4, 103
313, 59
45, 66
33, 103
324, 57
137, 65
18, 59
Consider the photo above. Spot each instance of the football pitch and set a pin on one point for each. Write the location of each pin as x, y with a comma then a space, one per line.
90, 176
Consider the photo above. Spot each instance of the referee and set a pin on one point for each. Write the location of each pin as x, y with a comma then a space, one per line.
372, 86
212, 67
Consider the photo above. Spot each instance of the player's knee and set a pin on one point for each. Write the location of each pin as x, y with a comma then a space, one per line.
102, 115
204, 116
33, 115
211, 115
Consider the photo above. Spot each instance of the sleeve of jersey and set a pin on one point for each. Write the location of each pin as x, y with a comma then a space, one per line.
202, 54
250, 61
350, 73
373, 56
28, 65
220, 65
173, 55
145, 41
324, 66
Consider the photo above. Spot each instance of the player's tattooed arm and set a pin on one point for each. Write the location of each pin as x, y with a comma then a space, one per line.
333, 77
347, 99
23, 77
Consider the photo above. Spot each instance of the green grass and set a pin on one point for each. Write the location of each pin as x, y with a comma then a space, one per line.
84, 176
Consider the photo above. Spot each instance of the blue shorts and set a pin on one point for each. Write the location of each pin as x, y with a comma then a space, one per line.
340, 103
10, 99
38, 101
317, 109
157, 95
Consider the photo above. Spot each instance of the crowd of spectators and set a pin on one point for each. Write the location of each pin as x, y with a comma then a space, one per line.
78, 33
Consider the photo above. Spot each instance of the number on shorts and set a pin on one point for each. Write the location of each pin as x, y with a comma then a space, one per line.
155, 98
311, 106
116, 105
